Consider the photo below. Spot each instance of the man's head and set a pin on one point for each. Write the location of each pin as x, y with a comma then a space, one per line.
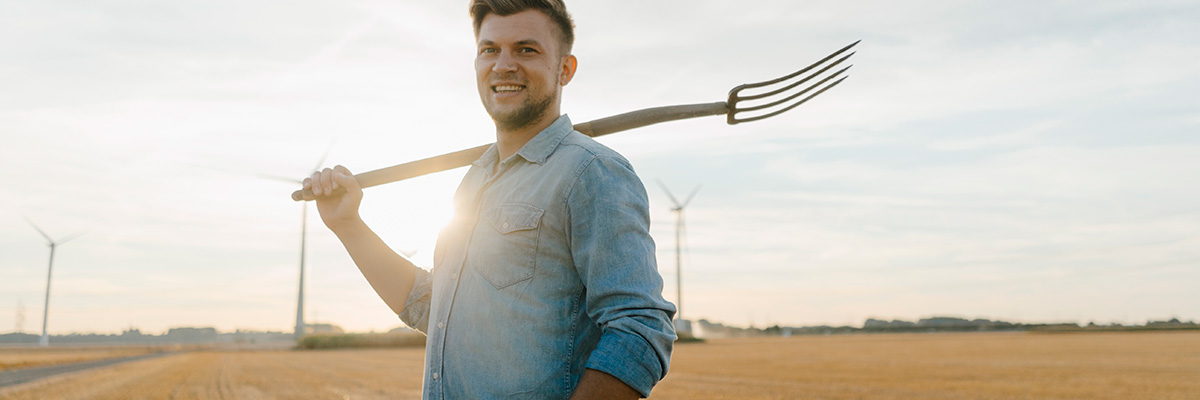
554, 9
523, 60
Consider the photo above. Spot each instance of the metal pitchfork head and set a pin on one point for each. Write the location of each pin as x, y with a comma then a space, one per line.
762, 104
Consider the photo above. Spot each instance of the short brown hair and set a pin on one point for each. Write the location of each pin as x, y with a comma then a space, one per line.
555, 9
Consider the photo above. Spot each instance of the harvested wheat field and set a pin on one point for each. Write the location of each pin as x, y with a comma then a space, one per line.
910, 366
29, 357
344, 374
940, 366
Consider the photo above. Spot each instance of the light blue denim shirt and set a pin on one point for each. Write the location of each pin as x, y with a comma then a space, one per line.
547, 269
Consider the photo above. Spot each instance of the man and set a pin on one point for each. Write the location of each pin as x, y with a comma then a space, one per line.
544, 285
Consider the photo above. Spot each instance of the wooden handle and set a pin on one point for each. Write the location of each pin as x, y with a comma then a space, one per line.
462, 158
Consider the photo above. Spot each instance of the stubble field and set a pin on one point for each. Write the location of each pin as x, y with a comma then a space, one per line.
29, 357
917, 366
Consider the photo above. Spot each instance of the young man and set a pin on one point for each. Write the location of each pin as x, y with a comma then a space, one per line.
544, 285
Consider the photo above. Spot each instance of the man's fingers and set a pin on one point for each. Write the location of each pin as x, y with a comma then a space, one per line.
345, 179
327, 181
315, 183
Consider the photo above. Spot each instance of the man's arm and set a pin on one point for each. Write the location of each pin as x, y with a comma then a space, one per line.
338, 197
614, 256
597, 385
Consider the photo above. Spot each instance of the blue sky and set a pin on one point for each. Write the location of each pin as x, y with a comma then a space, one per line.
1030, 161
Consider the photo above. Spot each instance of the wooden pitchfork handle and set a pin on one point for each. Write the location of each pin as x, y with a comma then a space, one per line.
773, 97
462, 158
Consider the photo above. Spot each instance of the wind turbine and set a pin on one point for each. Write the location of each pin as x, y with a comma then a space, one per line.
45, 340
20, 317
680, 231
300, 326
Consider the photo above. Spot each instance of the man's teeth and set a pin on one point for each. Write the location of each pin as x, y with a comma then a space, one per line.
506, 88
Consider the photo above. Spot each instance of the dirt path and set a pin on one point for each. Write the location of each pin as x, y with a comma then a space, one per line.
19, 376
30, 357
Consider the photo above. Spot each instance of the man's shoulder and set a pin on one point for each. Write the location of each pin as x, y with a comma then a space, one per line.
583, 148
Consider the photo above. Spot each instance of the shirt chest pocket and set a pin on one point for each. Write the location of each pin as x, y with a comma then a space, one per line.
509, 254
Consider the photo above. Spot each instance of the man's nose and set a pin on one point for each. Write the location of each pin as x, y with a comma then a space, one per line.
504, 63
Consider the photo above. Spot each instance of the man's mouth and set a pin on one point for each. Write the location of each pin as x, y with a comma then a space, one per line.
507, 88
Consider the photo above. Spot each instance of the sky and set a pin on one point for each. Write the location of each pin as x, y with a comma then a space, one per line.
1024, 161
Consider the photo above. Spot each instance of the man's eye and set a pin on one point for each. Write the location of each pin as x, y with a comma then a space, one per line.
487, 50
527, 50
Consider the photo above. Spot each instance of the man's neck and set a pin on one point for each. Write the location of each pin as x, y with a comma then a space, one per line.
509, 142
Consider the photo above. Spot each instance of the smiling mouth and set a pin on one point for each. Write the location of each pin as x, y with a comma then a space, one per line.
507, 88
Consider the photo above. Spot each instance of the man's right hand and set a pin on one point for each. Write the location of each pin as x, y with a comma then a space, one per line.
338, 196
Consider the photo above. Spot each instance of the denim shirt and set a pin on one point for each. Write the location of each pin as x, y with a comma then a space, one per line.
546, 270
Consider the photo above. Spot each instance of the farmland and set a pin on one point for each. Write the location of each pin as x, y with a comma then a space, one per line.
28, 357
899, 366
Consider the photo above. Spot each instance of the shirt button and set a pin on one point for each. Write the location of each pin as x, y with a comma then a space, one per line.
505, 225
441, 325
454, 276
435, 376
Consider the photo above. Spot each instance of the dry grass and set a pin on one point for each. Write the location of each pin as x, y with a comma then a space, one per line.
916, 366
29, 357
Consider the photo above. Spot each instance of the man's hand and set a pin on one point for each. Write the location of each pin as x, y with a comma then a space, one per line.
599, 385
338, 196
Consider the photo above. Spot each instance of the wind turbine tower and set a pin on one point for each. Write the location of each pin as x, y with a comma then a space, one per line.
20, 328
300, 325
680, 236
45, 340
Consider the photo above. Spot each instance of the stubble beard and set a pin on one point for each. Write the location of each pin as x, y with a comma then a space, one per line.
531, 110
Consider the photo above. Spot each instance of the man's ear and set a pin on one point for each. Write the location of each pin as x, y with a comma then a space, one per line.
569, 64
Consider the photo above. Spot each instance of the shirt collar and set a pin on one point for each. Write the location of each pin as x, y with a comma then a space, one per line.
536, 150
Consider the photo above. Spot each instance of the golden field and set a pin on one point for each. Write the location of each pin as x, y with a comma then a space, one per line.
1162, 365
29, 357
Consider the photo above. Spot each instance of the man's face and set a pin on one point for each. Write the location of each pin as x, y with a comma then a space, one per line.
518, 68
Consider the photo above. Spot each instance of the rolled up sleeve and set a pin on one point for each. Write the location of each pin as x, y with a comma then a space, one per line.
416, 306
614, 255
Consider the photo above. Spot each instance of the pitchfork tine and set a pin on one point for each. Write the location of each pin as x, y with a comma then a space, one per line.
785, 109
797, 94
797, 73
796, 83
737, 101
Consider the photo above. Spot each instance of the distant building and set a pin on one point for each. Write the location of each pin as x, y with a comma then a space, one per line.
323, 328
683, 326
188, 334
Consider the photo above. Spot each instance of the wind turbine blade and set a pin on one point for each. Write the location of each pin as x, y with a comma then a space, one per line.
48, 239
664, 188
690, 196
324, 156
72, 237
279, 178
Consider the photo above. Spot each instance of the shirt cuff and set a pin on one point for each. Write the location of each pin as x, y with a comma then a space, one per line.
628, 357
416, 306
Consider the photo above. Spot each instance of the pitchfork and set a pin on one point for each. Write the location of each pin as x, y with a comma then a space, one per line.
770, 99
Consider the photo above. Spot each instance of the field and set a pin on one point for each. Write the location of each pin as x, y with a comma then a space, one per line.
901, 366
28, 357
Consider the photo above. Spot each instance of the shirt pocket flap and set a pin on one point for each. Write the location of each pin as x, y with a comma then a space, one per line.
513, 217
